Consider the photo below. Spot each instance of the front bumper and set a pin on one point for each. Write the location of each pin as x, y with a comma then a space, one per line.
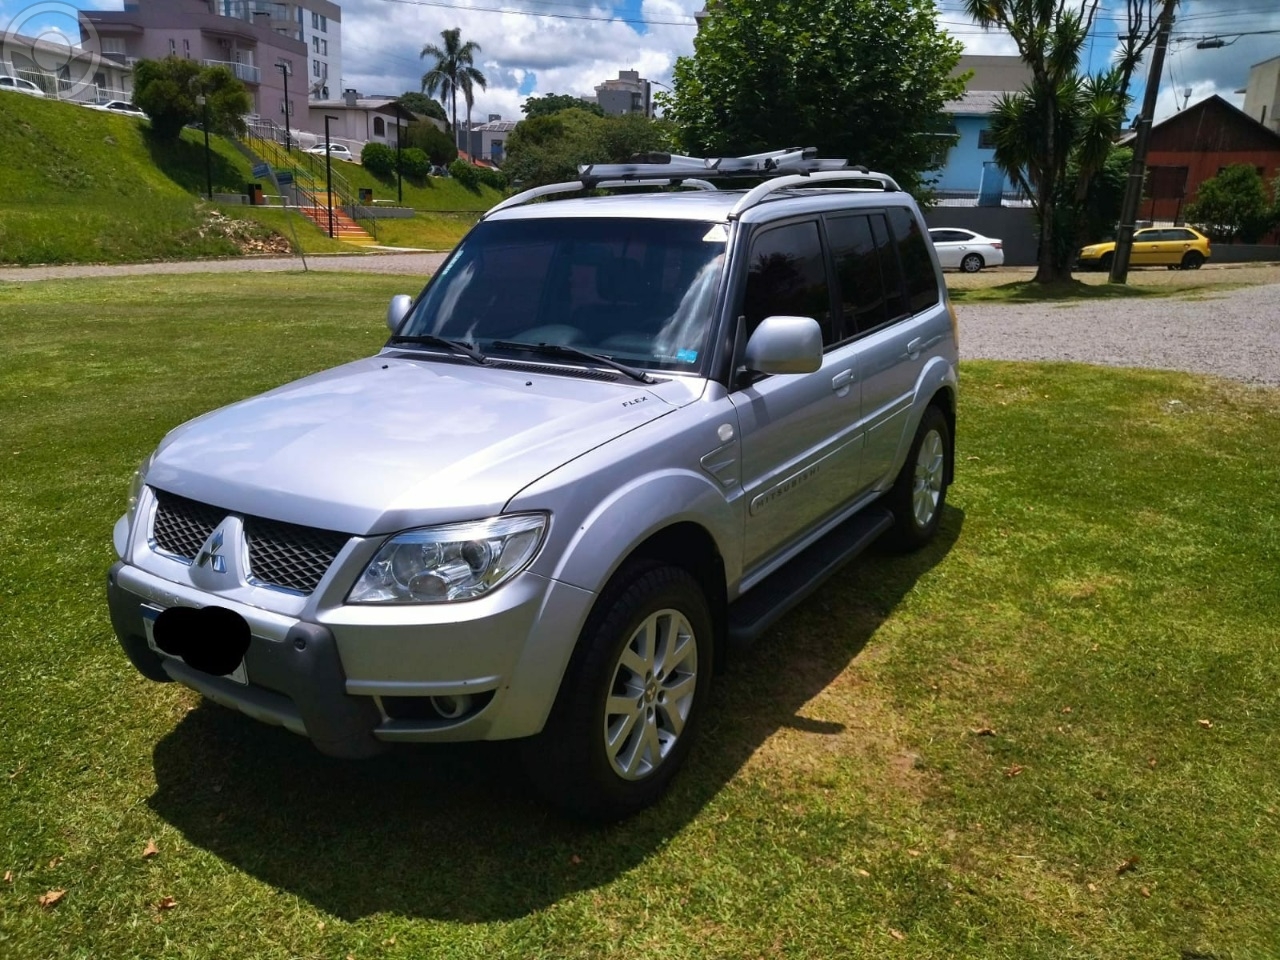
300, 672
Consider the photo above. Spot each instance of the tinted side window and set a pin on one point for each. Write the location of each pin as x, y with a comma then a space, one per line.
895, 298
788, 277
862, 293
922, 285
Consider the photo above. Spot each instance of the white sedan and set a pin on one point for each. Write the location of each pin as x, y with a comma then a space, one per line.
338, 151
122, 106
965, 250
18, 85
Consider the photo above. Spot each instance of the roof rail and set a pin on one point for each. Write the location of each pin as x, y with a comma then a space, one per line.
757, 195
572, 186
781, 169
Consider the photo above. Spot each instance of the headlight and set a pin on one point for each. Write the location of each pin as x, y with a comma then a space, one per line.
135, 488
459, 561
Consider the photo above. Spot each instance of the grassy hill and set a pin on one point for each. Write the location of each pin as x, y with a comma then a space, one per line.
79, 185
83, 186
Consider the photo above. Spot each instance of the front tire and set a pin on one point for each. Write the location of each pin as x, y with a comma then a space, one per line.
630, 701
971, 263
920, 492
1104, 264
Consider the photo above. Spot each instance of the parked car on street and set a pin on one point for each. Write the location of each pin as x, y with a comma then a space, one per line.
1178, 248
339, 151
612, 436
122, 106
18, 85
960, 249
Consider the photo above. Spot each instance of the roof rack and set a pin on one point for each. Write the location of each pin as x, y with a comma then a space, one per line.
781, 170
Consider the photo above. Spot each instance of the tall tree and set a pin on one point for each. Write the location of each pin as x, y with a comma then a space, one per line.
454, 71
1036, 130
551, 103
167, 90
468, 80
861, 79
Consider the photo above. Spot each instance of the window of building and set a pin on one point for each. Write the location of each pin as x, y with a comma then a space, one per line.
186, 49
324, 24
324, 47
315, 21
985, 140
173, 48
788, 277
315, 68
113, 45
379, 127
315, 44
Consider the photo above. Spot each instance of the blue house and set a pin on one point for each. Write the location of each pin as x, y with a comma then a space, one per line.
969, 172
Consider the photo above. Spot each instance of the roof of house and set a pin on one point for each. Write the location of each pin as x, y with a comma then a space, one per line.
496, 126
973, 103
389, 105
1209, 138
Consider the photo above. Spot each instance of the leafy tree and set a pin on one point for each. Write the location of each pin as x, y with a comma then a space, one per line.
548, 149
432, 141
423, 105
465, 173
860, 79
551, 103
454, 71
1233, 203
1092, 217
167, 90
414, 164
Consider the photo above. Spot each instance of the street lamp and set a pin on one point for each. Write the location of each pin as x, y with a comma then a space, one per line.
288, 134
328, 171
203, 103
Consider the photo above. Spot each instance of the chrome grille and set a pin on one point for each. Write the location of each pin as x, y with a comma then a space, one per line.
280, 554
287, 555
182, 526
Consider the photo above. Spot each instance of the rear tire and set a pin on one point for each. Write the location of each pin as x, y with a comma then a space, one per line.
1192, 260
631, 699
971, 263
919, 494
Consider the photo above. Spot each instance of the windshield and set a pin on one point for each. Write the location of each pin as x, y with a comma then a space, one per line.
639, 291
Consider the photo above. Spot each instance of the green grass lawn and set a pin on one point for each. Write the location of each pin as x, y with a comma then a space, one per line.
1101, 601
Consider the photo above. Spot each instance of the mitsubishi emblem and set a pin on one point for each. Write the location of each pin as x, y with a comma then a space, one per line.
209, 553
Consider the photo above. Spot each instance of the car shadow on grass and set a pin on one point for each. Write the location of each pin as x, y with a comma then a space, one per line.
454, 832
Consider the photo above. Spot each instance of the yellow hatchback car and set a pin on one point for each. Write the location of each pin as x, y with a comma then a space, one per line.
1178, 248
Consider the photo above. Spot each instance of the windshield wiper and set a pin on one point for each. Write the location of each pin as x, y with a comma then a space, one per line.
564, 350
457, 346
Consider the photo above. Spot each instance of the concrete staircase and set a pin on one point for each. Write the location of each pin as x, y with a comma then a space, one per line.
344, 228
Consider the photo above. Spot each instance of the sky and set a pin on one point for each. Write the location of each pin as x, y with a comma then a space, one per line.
568, 46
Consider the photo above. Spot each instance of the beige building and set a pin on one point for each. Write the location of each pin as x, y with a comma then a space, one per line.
1262, 94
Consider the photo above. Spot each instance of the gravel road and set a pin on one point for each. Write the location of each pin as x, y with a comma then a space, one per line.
415, 264
1229, 333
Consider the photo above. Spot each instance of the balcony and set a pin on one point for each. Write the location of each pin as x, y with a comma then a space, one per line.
244, 71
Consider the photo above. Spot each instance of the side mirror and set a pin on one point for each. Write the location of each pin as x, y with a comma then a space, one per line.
785, 345
397, 310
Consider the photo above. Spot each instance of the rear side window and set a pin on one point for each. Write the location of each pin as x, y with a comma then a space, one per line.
788, 277
863, 301
922, 284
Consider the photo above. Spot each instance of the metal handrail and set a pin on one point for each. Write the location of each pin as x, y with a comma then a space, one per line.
270, 151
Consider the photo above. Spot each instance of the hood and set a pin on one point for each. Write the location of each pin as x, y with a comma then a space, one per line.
389, 443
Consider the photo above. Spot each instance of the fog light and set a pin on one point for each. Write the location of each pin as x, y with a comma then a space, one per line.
451, 708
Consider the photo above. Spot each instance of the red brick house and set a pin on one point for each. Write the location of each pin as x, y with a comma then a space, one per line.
1196, 144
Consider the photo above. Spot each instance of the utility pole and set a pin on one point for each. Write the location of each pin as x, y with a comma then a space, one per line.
328, 171
288, 134
1138, 168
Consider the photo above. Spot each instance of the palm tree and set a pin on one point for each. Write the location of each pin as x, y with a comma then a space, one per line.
454, 72
468, 80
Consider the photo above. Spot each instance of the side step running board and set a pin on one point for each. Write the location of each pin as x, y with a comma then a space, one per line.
761, 607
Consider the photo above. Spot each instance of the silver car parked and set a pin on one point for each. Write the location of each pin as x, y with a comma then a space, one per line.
613, 435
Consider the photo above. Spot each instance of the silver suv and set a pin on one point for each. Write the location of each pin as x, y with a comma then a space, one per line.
614, 435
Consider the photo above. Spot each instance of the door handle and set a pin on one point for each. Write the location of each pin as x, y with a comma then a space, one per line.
842, 380
913, 348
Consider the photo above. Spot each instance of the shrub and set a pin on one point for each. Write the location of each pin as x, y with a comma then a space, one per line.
465, 174
379, 160
414, 164
492, 178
